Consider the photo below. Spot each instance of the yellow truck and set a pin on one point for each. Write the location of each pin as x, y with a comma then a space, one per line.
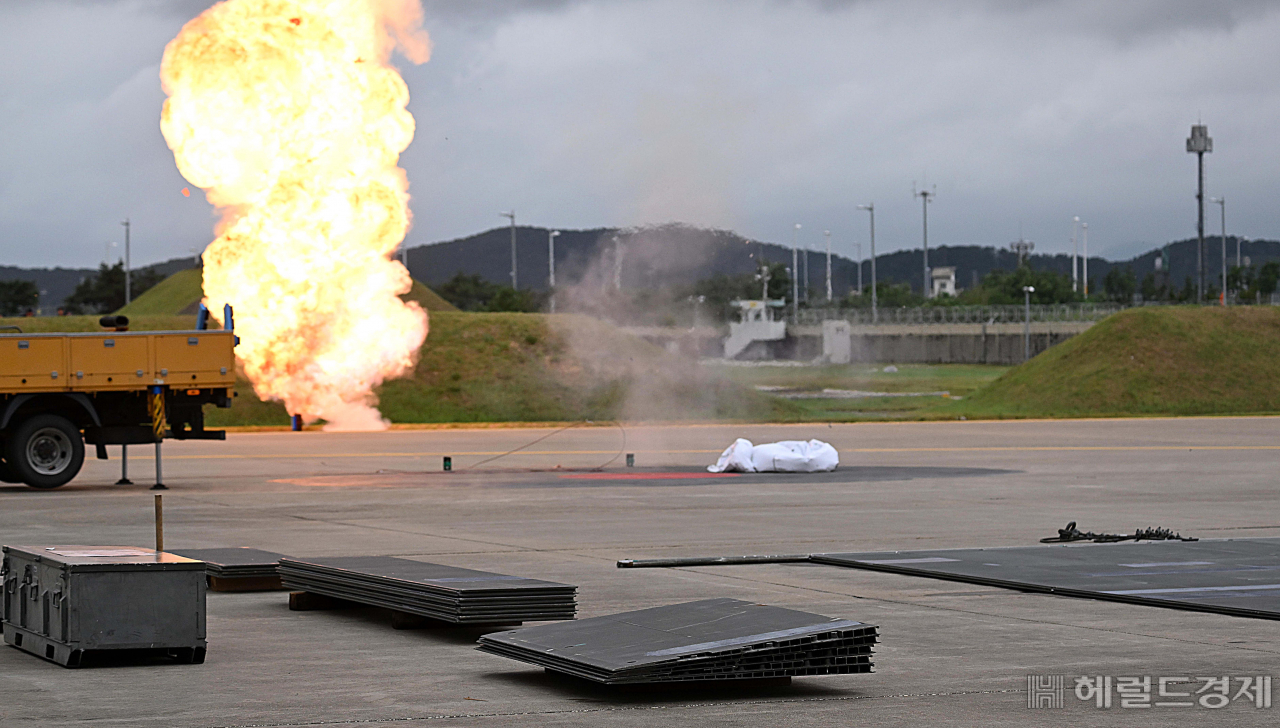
116, 387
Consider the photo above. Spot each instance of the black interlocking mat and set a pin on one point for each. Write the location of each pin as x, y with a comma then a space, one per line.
1239, 577
713, 639
441, 592
234, 563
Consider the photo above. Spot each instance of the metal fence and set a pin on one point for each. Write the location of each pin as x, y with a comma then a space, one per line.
959, 314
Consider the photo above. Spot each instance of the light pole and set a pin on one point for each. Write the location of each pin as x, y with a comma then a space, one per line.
925, 196
805, 290
515, 282
795, 275
1084, 262
551, 266
1075, 252
871, 208
827, 233
1026, 323
128, 289
1199, 144
1222, 203
859, 268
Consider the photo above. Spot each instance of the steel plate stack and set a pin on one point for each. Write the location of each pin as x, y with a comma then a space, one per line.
234, 563
440, 592
714, 639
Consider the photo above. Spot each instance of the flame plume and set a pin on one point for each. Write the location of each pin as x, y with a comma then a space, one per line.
290, 117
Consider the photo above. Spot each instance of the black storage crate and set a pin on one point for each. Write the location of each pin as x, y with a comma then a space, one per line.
64, 603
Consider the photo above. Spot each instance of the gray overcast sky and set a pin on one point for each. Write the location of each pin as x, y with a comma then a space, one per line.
743, 114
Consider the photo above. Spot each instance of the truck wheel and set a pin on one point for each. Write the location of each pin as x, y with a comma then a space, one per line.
45, 451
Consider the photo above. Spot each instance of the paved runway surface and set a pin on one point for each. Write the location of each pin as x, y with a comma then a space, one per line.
952, 654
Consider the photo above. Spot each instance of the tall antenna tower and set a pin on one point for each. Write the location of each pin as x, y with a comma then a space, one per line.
1199, 144
1023, 248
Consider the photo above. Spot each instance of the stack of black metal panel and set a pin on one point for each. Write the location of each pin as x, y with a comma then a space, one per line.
237, 569
714, 639
234, 563
440, 592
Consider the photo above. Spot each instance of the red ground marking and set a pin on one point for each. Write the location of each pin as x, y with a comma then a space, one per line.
644, 476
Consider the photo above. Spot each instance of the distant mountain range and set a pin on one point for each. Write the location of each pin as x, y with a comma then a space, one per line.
657, 256
671, 254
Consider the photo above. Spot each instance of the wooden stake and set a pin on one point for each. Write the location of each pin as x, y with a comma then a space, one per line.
159, 523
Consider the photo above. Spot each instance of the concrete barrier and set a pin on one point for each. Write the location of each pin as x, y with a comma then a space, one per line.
940, 343
900, 343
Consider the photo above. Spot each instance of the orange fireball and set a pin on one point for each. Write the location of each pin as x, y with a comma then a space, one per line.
290, 117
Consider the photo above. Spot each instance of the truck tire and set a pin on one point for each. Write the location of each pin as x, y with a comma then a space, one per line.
45, 451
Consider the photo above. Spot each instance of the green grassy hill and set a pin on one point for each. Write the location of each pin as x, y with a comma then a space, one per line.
181, 293
513, 367
480, 367
427, 298
1168, 360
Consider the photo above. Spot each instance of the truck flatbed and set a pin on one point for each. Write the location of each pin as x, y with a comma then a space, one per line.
116, 360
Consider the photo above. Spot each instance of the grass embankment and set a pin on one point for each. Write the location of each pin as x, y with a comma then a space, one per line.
958, 380
427, 298
1147, 361
510, 367
531, 368
182, 292
1154, 361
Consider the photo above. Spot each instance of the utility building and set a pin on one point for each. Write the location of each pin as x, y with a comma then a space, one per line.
944, 281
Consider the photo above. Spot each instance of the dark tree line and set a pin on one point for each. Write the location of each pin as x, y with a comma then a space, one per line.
104, 292
18, 297
474, 293
718, 290
998, 288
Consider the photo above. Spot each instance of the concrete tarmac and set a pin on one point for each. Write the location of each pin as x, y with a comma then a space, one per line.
951, 653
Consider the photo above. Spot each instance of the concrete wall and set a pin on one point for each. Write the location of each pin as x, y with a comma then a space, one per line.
943, 343
902, 343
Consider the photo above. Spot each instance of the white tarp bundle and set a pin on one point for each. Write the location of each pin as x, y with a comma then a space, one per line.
789, 456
